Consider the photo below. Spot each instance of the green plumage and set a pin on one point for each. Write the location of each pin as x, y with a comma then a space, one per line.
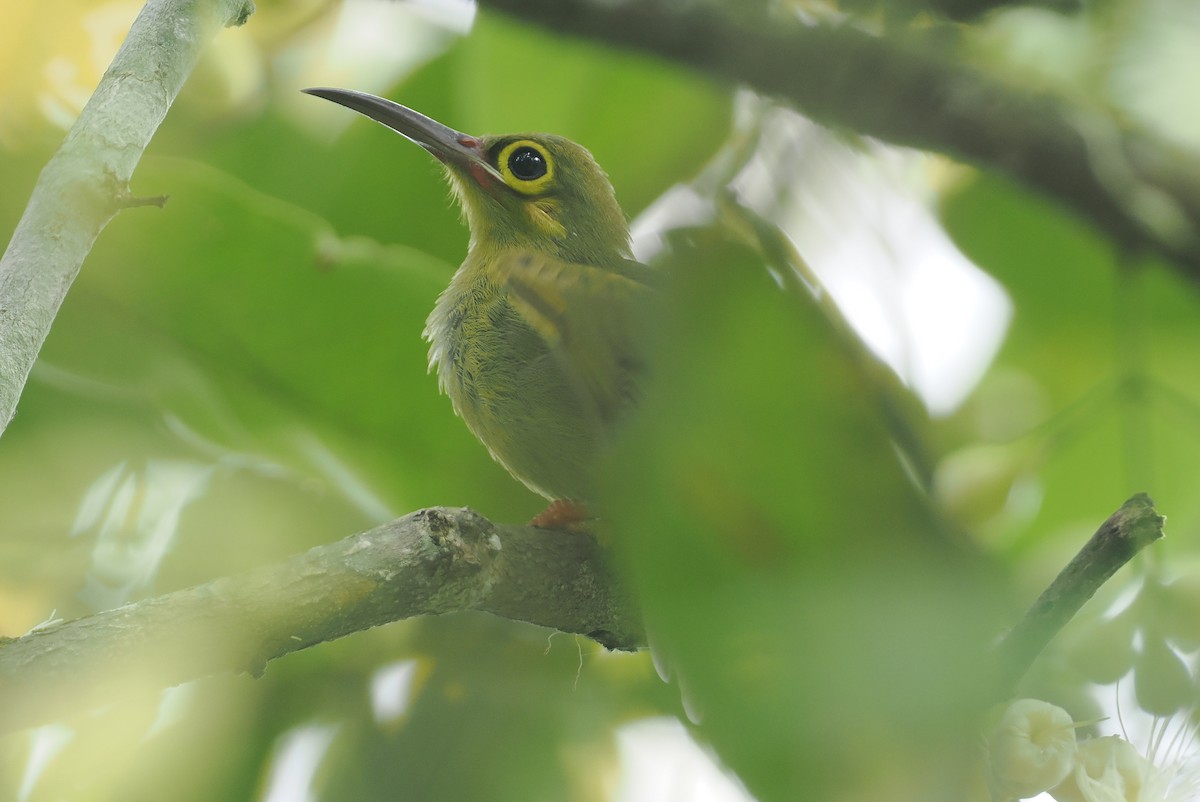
533, 341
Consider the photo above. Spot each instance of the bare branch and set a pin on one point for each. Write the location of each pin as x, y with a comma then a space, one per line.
1134, 188
1127, 531
433, 561
86, 182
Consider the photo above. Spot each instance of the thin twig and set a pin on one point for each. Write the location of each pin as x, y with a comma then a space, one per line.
127, 201
1127, 531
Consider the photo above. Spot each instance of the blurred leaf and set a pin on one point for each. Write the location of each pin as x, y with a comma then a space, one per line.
1178, 611
790, 571
1111, 347
1161, 679
496, 702
1103, 652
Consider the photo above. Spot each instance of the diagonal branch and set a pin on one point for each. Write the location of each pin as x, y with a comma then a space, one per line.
1127, 531
1133, 187
432, 561
86, 182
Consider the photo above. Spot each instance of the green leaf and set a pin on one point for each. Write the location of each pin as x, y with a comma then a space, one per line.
792, 575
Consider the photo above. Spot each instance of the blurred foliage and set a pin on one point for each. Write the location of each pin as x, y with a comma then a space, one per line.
794, 586
240, 375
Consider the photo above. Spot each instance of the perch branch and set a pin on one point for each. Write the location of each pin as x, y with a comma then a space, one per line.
433, 561
1132, 186
87, 180
1126, 532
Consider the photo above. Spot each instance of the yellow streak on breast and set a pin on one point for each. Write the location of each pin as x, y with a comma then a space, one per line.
542, 213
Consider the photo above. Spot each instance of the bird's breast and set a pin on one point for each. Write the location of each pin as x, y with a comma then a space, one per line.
509, 387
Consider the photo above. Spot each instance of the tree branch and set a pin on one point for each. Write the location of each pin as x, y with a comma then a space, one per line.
1126, 532
432, 561
1132, 186
86, 182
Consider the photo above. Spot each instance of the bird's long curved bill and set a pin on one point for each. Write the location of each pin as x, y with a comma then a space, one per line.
442, 141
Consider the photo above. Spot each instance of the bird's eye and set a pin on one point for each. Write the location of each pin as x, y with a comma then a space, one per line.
527, 167
527, 163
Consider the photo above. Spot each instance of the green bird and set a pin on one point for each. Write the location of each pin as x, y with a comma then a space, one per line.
533, 341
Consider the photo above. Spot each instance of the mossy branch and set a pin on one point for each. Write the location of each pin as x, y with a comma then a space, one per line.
87, 180
429, 562
1136, 189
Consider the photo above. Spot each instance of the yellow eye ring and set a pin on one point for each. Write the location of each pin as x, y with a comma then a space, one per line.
526, 166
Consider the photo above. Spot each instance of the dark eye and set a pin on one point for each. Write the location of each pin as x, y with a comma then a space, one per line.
527, 163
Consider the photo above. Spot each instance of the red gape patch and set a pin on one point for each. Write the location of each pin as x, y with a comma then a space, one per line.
480, 174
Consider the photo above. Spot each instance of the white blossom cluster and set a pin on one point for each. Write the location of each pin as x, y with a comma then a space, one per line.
1034, 749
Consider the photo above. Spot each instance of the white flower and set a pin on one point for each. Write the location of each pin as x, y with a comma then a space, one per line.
1110, 769
1031, 750
1106, 770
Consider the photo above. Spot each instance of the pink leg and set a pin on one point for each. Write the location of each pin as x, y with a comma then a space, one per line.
563, 513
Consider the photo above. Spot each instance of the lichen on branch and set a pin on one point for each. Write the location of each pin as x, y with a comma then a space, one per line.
431, 562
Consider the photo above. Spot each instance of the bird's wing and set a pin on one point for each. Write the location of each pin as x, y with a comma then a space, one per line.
589, 317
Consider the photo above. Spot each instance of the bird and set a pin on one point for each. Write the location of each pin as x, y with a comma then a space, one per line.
535, 338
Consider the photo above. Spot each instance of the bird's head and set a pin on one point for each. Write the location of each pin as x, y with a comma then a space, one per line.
533, 191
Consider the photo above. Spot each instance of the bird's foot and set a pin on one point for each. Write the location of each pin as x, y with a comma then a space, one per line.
565, 514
